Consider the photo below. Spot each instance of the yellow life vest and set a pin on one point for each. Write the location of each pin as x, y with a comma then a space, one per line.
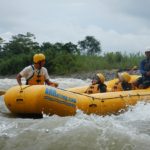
36, 78
117, 87
92, 89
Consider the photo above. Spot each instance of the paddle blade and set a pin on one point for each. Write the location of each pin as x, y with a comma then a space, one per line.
2, 92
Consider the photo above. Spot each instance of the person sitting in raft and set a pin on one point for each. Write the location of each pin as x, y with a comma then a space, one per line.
144, 81
123, 83
36, 74
97, 85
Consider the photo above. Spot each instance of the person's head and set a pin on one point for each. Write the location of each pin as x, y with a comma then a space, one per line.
98, 79
147, 52
124, 77
39, 60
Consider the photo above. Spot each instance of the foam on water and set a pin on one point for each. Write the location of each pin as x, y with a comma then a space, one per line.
7, 83
127, 131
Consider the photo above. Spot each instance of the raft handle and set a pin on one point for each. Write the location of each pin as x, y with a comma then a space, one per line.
93, 105
19, 100
121, 96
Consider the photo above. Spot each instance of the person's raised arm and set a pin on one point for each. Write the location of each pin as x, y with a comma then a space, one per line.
19, 79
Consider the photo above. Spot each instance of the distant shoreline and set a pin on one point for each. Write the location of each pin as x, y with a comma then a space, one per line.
8, 76
109, 74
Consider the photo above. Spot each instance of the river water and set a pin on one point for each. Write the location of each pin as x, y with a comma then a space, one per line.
127, 131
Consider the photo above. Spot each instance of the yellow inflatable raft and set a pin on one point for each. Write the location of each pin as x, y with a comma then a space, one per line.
38, 99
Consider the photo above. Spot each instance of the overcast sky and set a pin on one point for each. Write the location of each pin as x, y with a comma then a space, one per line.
120, 25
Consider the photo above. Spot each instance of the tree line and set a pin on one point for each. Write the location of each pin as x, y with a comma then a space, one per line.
61, 58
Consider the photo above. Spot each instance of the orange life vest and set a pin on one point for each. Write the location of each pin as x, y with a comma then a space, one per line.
117, 87
36, 78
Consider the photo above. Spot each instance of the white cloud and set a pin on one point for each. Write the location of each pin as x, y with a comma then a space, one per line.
118, 25
6, 36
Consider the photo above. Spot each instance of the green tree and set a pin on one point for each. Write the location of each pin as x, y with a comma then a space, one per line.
1, 42
90, 46
45, 46
118, 57
109, 57
70, 48
60, 47
21, 44
64, 63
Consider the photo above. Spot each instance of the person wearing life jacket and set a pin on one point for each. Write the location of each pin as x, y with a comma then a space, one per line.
36, 74
144, 81
97, 85
123, 83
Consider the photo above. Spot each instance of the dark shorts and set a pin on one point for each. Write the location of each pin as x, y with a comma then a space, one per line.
126, 86
144, 82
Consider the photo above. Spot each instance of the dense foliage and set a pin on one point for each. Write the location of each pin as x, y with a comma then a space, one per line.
61, 58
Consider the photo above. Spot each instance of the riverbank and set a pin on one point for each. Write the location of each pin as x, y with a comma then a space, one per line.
109, 74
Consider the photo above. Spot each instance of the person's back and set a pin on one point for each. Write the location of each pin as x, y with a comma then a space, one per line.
144, 80
123, 83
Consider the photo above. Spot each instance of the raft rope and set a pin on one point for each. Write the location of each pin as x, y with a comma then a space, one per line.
21, 89
121, 96
95, 98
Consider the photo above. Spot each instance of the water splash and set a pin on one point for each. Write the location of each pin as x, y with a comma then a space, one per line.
127, 131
